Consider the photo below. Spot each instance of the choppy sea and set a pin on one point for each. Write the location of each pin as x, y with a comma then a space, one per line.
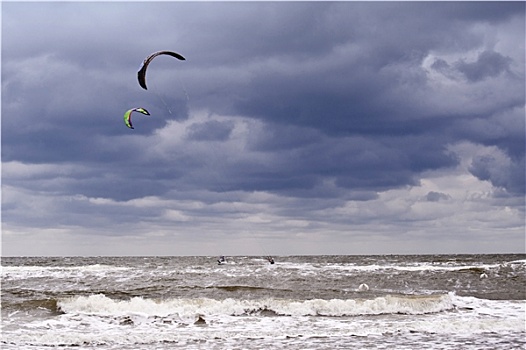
300, 302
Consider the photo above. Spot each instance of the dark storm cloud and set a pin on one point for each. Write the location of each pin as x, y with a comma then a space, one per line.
327, 67
336, 101
501, 174
488, 64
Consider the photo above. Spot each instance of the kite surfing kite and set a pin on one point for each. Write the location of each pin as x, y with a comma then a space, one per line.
141, 74
127, 115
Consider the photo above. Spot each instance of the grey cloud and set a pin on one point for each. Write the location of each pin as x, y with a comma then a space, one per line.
440, 65
434, 196
210, 130
488, 64
504, 129
500, 173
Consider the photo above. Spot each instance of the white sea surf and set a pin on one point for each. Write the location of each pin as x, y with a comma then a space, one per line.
309, 302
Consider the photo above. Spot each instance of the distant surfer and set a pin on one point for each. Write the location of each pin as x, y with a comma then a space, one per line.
270, 259
221, 260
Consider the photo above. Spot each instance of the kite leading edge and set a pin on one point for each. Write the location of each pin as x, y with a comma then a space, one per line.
141, 74
127, 115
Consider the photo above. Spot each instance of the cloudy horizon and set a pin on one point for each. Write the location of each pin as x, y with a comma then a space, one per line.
291, 128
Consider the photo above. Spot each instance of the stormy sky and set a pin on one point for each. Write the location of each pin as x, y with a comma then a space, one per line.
291, 128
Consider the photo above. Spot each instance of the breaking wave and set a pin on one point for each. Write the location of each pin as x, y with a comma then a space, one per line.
201, 307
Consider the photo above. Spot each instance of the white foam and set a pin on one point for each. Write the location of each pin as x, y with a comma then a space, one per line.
96, 320
313, 269
363, 287
100, 321
102, 305
25, 272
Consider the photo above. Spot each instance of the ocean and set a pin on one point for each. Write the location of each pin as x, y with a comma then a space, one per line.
300, 302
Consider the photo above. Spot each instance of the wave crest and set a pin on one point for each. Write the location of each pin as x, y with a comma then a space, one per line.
392, 304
